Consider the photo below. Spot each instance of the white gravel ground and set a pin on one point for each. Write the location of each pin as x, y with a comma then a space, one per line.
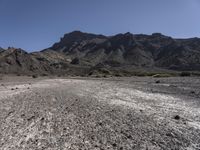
124, 113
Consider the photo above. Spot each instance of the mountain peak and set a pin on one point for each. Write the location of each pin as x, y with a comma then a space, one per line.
1, 49
76, 32
75, 36
128, 33
15, 50
159, 35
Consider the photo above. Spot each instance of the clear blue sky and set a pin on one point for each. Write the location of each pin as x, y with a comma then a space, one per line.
37, 24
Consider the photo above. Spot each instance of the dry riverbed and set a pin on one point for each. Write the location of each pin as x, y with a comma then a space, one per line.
99, 114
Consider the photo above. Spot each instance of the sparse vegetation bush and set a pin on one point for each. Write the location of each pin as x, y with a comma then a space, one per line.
98, 76
99, 72
140, 74
105, 76
35, 76
118, 75
104, 71
154, 74
123, 73
143, 74
91, 73
162, 75
185, 74
1, 77
195, 73
44, 74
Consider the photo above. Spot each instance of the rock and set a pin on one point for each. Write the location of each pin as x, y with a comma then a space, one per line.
158, 81
192, 92
177, 117
114, 145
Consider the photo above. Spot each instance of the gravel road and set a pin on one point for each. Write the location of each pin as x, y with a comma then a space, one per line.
100, 114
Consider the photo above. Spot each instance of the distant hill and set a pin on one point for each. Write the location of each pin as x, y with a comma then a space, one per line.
84, 51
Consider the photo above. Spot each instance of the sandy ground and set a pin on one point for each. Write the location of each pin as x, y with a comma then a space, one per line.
99, 114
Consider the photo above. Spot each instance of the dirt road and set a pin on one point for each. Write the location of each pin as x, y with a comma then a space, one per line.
97, 114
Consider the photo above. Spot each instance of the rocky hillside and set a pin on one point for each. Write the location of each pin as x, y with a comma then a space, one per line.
154, 50
19, 61
79, 53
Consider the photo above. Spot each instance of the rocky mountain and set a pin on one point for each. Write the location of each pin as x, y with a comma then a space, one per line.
14, 60
80, 53
127, 49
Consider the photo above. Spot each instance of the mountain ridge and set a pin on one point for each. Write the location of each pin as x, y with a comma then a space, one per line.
137, 50
84, 51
